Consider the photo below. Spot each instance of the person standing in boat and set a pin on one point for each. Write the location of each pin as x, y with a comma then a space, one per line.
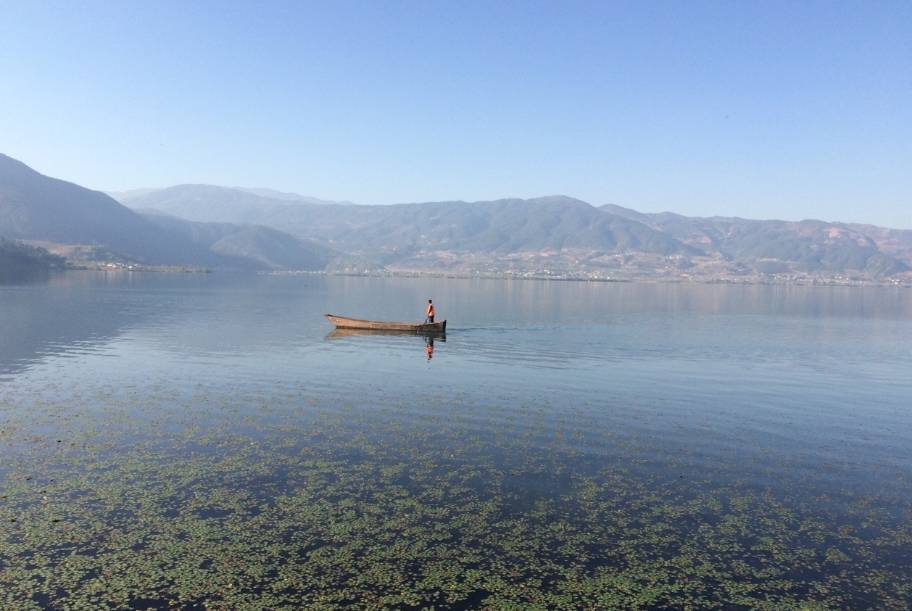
430, 311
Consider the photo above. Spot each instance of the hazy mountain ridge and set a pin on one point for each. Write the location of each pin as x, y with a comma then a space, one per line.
291, 197
211, 203
809, 245
460, 235
34, 207
553, 236
127, 196
248, 244
508, 225
894, 242
37, 207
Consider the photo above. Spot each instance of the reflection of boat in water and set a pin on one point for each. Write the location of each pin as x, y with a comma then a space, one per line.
429, 336
342, 322
343, 332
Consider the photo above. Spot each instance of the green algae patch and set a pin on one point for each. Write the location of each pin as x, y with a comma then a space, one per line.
329, 509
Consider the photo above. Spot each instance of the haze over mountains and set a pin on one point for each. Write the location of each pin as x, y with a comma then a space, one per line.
239, 228
36, 208
775, 246
558, 231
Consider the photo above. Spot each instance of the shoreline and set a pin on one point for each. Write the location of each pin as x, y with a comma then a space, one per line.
751, 281
731, 281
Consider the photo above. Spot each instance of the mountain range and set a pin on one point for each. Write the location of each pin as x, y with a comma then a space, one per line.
60, 214
774, 246
261, 229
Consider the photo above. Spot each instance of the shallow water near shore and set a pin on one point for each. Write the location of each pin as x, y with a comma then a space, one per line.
199, 441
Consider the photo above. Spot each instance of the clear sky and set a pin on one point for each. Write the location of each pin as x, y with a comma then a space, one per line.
760, 109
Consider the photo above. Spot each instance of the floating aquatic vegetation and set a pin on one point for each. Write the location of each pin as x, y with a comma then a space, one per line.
306, 507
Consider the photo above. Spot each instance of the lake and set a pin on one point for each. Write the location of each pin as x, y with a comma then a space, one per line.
203, 441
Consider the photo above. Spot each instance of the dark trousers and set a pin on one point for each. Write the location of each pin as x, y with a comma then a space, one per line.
429, 319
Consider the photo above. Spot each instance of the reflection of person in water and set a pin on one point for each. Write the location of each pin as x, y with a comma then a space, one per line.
429, 347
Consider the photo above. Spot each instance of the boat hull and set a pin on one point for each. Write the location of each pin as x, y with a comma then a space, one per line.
342, 322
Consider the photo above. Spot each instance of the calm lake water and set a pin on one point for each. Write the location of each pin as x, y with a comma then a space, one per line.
202, 441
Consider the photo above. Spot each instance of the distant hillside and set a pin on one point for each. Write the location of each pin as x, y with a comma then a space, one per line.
555, 233
264, 197
556, 236
778, 246
291, 197
210, 203
555, 226
17, 259
262, 247
894, 242
39, 208
502, 226
36, 207
121, 196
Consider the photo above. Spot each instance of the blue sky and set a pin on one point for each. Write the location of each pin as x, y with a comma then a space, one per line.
758, 109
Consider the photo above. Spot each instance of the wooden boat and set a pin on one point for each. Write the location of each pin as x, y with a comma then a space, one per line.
342, 322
